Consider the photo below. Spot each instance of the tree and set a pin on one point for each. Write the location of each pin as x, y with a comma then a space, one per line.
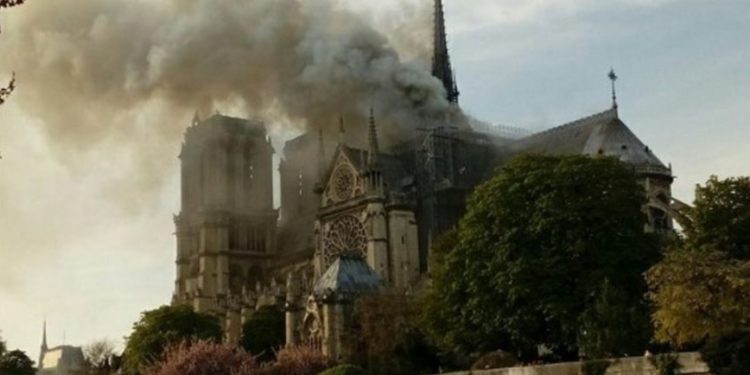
157, 329
264, 333
387, 335
701, 289
545, 246
98, 355
721, 217
16, 362
699, 295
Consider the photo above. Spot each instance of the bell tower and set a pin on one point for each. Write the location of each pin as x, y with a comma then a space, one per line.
227, 226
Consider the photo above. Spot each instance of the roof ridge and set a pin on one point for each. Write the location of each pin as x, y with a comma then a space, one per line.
612, 112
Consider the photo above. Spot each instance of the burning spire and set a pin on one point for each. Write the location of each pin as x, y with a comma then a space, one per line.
441, 61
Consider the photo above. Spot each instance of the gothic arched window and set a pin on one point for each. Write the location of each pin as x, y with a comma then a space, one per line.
345, 236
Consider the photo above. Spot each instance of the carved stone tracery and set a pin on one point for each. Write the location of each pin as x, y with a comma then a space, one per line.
346, 235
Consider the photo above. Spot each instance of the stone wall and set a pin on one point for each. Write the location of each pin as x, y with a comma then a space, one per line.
690, 363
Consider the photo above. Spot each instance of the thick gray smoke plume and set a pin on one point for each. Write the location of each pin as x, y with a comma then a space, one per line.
94, 62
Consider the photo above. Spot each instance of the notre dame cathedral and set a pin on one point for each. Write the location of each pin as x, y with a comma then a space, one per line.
356, 220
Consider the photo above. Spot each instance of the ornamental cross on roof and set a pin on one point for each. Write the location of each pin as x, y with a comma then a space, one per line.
613, 77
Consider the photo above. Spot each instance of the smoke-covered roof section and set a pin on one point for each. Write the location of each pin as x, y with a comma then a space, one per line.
600, 134
234, 124
347, 277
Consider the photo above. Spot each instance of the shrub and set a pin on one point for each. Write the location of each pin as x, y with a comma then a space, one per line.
202, 358
728, 355
345, 370
297, 360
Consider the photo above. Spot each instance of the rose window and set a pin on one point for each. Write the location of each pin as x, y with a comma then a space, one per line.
346, 236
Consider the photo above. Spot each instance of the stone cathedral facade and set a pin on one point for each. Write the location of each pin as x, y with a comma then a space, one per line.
353, 220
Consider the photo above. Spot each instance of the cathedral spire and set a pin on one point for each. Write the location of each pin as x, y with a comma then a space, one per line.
441, 61
372, 140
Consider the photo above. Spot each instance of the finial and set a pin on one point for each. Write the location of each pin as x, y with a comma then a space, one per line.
613, 77
342, 130
374, 149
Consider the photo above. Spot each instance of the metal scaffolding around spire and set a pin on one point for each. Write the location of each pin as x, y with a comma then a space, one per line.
441, 61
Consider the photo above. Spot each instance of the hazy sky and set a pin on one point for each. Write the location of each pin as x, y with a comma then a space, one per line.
86, 226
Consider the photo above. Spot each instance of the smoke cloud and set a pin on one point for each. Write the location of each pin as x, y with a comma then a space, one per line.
124, 77
90, 67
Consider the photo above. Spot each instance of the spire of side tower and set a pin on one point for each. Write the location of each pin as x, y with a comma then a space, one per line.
441, 61
372, 139
342, 131
44, 336
44, 346
321, 155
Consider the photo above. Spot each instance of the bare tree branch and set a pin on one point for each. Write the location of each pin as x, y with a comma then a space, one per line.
10, 3
5, 91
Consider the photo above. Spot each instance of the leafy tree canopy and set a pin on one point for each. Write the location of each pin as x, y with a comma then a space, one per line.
721, 217
16, 362
701, 289
264, 332
699, 295
157, 329
551, 252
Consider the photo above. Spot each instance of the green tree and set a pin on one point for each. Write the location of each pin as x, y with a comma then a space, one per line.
167, 325
264, 333
701, 289
388, 338
544, 244
16, 362
698, 295
721, 217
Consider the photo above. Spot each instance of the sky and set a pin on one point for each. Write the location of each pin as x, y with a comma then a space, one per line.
88, 190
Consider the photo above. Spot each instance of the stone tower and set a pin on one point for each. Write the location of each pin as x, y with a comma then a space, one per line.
227, 227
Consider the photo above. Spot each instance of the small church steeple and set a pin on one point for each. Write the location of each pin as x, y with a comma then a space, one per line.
441, 61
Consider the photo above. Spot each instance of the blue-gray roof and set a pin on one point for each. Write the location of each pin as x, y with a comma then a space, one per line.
347, 277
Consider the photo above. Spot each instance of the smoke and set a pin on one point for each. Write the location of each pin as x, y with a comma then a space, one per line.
125, 76
89, 66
